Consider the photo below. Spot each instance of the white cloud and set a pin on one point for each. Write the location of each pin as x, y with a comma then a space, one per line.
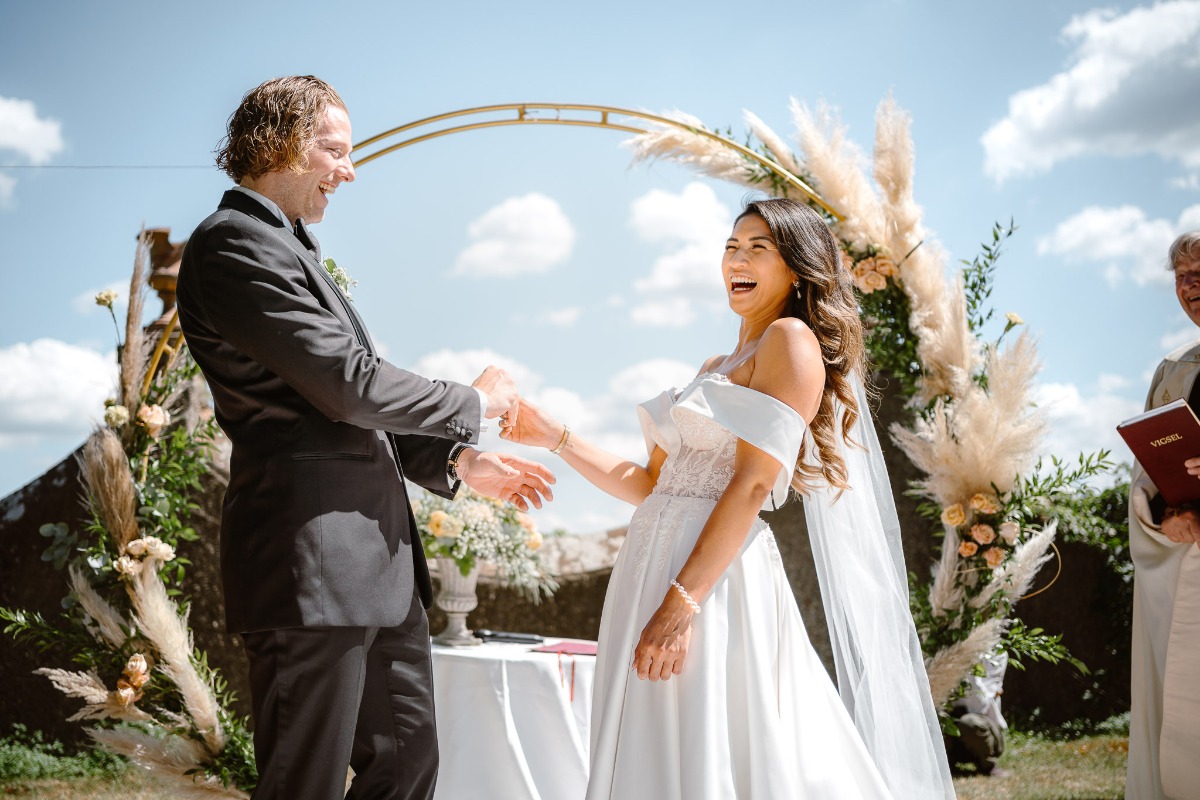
693, 224
1178, 338
563, 317
1189, 182
8, 185
1121, 240
1130, 89
21, 129
522, 235
49, 387
1079, 423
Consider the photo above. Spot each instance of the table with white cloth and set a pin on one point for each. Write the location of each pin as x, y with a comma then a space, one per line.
512, 723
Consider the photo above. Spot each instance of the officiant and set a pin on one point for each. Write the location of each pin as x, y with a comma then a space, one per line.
1164, 726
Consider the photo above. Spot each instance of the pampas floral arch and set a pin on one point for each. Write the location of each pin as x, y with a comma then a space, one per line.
974, 433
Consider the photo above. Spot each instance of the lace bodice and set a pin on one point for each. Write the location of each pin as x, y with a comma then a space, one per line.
703, 465
699, 426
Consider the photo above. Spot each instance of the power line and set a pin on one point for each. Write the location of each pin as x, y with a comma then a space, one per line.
107, 166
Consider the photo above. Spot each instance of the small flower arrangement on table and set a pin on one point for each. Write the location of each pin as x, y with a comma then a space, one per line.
471, 529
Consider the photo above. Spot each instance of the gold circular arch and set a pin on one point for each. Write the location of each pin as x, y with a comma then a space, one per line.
619, 119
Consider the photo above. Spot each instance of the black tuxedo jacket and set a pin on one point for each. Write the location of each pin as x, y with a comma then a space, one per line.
317, 528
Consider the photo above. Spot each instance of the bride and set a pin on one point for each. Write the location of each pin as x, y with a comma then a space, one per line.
706, 683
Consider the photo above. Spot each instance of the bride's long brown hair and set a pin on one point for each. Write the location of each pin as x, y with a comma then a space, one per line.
825, 302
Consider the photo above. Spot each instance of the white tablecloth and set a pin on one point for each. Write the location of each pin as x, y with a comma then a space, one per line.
508, 725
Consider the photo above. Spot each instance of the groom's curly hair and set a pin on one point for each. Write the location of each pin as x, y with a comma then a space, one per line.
274, 126
825, 302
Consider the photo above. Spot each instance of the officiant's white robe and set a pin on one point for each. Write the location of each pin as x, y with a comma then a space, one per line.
1164, 727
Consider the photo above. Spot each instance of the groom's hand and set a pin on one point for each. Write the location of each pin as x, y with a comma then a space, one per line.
500, 390
506, 477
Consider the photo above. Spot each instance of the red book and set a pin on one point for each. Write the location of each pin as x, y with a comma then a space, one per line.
571, 647
1161, 439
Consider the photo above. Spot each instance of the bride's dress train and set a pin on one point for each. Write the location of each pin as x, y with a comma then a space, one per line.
754, 713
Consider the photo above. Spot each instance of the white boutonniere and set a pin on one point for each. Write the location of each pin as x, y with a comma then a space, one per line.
340, 277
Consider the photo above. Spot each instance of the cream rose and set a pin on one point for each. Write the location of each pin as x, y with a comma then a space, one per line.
954, 515
136, 548
1009, 531
106, 298
994, 557
116, 416
1014, 318
968, 549
534, 540
985, 503
984, 534
125, 695
157, 548
127, 566
153, 418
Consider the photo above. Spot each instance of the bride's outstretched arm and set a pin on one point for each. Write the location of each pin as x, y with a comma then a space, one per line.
619, 477
788, 366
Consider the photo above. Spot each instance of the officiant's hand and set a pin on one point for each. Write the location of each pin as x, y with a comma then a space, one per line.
506, 477
663, 646
528, 424
1182, 525
1193, 466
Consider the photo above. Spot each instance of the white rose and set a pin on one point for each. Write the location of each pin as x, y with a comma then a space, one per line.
130, 567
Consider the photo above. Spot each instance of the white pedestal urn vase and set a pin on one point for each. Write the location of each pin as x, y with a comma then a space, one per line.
457, 599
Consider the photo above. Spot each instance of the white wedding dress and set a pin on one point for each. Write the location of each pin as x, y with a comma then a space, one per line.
754, 713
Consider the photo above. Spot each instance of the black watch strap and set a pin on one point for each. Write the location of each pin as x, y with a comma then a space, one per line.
452, 462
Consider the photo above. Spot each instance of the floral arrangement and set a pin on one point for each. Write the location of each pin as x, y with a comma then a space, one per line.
472, 528
152, 695
974, 430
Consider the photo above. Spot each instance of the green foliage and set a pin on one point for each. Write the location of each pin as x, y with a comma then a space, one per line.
891, 344
62, 543
979, 274
1036, 645
26, 755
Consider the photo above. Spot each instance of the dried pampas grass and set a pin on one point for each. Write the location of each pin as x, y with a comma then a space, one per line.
109, 480
701, 153
134, 358
109, 625
950, 665
168, 761
1016, 575
161, 623
100, 703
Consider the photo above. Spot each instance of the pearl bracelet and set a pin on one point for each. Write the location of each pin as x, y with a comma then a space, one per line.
687, 598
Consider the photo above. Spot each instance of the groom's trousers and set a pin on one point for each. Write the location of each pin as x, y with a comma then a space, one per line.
325, 698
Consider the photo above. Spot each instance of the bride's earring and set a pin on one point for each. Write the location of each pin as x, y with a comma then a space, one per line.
796, 286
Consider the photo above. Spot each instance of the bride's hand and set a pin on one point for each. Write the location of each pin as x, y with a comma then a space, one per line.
531, 425
663, 646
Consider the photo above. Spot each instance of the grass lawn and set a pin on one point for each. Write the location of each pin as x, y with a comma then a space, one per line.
1088, 768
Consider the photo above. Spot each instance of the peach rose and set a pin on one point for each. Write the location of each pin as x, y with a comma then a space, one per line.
968, 549
885, 266
954, 515
984, 534
153, 418
137, 671
1009, 531
848, 260
444, 526
994, 557
534, 540
985, 503
127, 566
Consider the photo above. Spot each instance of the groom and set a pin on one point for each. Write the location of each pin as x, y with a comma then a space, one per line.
322, 566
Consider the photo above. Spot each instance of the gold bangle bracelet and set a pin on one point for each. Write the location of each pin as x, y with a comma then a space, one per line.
566, 437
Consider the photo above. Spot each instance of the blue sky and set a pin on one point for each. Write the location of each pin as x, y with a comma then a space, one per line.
542, 249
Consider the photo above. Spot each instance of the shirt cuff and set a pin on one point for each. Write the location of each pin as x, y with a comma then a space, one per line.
483, 401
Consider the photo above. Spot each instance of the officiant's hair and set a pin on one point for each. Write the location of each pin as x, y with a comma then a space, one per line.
1185, 249
825, 302
274, 126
